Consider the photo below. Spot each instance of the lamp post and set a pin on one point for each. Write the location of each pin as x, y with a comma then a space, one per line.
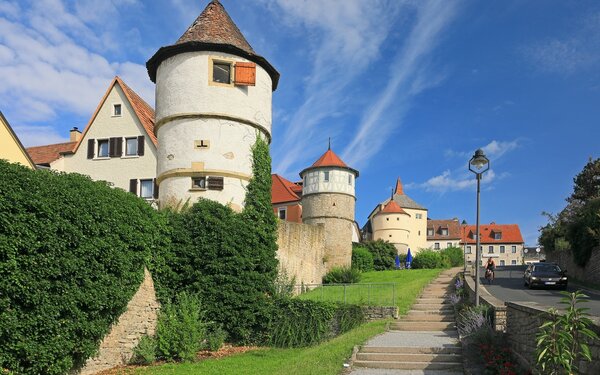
478, 165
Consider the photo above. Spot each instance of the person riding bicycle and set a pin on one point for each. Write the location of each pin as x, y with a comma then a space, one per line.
490, 266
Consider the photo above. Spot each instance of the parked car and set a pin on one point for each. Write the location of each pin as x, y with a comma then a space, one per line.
545, 275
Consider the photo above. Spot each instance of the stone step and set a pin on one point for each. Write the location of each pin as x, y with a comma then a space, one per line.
410, 365
428, 318
408, 357
454, 349
431, 312
435, 295
431, 307
433, 300
422, 326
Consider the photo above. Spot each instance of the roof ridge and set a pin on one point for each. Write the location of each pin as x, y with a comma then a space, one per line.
51, 144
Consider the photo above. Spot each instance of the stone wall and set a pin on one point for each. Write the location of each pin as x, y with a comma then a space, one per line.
139, 319
301, 251
380, 312
485, 298
590, 273
522, 326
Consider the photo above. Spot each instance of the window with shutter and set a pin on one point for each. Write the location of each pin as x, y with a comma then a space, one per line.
215, 183
245, 74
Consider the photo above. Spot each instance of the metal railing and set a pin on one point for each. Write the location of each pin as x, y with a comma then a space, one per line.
371, 294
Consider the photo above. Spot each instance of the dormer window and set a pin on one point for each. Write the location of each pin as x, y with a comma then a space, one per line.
116, 109
444, 231
497, 235
430, 231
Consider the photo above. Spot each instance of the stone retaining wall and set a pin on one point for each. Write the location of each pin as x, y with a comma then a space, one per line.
380, 312
522, 326
590, 273
301, 251
485, 298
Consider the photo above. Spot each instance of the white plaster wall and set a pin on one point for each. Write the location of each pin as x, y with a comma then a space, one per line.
314, 181
177, 190
406, 231
117, 170
444, 243
182, 86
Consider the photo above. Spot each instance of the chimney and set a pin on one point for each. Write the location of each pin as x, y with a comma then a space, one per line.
75, 134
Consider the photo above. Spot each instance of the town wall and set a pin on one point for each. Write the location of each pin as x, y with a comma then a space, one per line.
497, 306
588, 274
301, 251
139, 319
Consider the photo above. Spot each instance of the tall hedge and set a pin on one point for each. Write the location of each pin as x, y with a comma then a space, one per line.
228, 258
72, 253
384, 254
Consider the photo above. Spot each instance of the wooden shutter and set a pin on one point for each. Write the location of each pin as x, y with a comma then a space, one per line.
141, 144
115, 147
155, 189
91, 145
245, 74
215, 183
133, 186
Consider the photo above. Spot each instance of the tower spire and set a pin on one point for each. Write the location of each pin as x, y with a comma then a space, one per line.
329, 145
399, 189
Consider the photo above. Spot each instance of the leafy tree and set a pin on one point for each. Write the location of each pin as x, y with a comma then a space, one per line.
384, 254
362, 259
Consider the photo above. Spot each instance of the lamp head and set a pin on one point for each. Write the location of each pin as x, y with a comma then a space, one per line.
479, 162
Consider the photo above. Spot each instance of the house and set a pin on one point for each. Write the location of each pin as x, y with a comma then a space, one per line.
399, 220
442, 234
11, 148
502, 242
286, 199
118, 144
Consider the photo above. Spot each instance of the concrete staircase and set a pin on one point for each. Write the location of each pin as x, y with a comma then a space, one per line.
423, 341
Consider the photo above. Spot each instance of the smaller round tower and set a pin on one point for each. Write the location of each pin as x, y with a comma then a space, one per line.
328, 198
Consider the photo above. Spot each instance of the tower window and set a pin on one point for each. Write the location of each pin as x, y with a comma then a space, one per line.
350, 179
199, 183
222, 72
326, 176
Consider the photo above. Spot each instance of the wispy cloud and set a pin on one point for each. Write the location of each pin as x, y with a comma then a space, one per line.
407, 78
493, 150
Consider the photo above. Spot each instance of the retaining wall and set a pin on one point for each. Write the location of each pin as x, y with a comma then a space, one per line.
485, 298
301, 251
380, 312
590, 273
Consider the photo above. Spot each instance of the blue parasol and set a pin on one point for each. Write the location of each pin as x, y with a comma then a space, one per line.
397, 261
409, 258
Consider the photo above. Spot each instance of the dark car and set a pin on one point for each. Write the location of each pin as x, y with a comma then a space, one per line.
545, 275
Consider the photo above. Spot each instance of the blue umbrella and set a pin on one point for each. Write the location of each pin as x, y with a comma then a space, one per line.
397, 261
408, 258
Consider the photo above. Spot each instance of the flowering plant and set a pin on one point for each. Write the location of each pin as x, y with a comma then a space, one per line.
497, 361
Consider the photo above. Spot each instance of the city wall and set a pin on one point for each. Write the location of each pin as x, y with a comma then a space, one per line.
301, 252
588, 274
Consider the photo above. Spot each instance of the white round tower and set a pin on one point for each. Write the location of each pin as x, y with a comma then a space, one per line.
328, 198
213, 98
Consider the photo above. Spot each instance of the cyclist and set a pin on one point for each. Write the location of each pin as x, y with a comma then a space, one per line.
489, 269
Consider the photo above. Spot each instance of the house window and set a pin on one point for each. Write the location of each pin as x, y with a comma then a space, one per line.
491, 249
116, 109
502, 262
326, 176
146, 189
514, 249
430, 232
444, 232
436, 245
131, 146
468, 251
282, 213
103, 148
497, 235
502, 249
221, 72
448, 244
199, 183
418, 216
513, 262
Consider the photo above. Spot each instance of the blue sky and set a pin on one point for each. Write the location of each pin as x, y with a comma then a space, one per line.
403, 88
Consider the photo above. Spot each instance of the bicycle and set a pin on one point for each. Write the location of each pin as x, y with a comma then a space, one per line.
489, 275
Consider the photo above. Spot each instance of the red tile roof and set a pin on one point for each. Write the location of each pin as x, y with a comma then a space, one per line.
330, 159
214, 25
510, 233
452, 225
392, 208
45, 155
282, 190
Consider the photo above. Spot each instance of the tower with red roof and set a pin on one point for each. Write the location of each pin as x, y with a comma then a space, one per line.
328, 198
213, 99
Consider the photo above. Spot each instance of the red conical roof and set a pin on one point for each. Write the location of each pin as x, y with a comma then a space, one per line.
214, 25
393, 208
329, 159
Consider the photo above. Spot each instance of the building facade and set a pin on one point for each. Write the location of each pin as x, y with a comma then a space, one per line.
286, 199
11, 148
442, 234
501, 242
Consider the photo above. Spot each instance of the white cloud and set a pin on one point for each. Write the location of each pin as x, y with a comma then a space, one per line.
38, 135
493, 150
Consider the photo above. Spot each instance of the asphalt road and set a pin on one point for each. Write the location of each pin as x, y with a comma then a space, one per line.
508, 286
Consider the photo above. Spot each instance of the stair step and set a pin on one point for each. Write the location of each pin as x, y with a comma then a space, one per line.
422, 326
431, 312
431, 307
410, 365
408, 357
433, 300
428, 318
450, 349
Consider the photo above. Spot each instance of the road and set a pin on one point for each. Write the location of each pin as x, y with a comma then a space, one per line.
508, 286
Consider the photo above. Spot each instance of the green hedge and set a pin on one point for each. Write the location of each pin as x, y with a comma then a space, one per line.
342, 275
454, 255
427, 258
384, 254
72, 253
362, 259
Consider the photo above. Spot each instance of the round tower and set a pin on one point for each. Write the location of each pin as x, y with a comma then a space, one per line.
213, 98
392, 224
328, 198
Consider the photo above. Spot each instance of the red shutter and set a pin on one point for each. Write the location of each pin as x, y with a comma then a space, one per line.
141, 144
245, 74
91, 145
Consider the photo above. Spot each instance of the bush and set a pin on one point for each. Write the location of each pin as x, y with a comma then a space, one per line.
300, 323
145, 351
215, 337
72, 254
384, 254
584, 233
225, 257
454, 255
362, 259
342, 275
427, 258
180, 329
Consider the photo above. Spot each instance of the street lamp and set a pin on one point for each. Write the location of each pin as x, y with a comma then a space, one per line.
478, 165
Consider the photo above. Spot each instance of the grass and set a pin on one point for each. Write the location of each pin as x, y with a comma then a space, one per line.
401, 287
324, 359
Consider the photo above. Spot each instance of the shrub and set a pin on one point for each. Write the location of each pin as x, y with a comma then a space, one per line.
584, 233
342, 275
72, 254
454, 255
215, 337
145, 351
362, 259
427, 258
348, 317
384, 254
227, 258
180, 329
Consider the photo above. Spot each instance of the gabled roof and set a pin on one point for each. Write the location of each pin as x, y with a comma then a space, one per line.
142, 110
329, 159
17, 141
213, 30
282, 190
44, 155
510, 234
452, 225
392, 208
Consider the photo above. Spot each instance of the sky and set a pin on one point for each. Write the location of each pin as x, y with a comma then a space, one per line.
405, 89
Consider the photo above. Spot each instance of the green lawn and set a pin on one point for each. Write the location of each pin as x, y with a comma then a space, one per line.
324, 359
